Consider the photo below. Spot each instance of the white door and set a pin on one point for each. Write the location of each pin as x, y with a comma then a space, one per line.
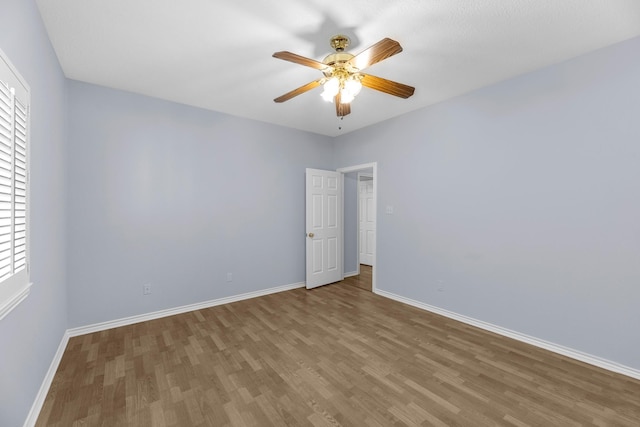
367, 220
324, 228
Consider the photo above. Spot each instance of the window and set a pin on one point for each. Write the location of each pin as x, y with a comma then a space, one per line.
14, 187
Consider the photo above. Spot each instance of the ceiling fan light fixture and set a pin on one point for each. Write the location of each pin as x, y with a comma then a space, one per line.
353, 85
326, 96
349, 88
331, 89
346, 97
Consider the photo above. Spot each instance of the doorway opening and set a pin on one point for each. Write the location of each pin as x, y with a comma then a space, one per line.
359, 222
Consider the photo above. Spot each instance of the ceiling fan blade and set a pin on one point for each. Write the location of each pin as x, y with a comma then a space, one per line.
308, 62
341, 109
302, 89
387, 86
376, 53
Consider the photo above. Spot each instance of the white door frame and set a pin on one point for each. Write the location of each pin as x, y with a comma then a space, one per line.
357, 168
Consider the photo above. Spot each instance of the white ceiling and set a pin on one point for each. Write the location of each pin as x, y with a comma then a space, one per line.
216, 54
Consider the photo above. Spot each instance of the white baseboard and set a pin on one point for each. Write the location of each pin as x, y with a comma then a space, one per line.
565, 351
96, 327
350, 274
46, 383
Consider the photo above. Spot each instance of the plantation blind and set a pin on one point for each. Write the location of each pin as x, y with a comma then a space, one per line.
14, 184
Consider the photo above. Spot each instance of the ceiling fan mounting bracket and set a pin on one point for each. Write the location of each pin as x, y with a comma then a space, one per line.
340, 42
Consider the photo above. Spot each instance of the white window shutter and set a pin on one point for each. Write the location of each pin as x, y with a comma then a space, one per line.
6, 180
14, 187
20, 188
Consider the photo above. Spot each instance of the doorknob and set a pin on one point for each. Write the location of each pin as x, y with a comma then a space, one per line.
311, 235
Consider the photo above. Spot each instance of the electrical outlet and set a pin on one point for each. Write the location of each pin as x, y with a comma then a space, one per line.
440, 285
146, 289
229, 277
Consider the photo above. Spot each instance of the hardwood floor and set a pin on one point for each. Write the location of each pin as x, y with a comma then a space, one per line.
334, 355
363, 281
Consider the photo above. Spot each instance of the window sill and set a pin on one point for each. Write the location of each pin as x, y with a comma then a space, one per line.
12, 301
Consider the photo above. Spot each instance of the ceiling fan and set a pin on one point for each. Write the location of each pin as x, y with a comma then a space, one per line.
343, 77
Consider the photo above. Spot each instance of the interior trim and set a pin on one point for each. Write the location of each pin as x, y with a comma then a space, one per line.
96, 327
13, 301
565, 351
46, 383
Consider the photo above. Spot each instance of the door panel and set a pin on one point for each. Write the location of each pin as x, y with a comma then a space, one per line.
370, 242
332, 211
324, 227
332, 259
317, 256
367, 222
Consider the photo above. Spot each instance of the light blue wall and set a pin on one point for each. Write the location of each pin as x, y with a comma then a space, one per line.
176, 196
31, 333
523, 198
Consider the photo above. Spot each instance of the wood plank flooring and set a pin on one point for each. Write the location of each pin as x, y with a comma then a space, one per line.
364, 280
330, 356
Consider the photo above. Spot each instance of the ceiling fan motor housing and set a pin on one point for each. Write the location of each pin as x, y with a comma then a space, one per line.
338, 61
